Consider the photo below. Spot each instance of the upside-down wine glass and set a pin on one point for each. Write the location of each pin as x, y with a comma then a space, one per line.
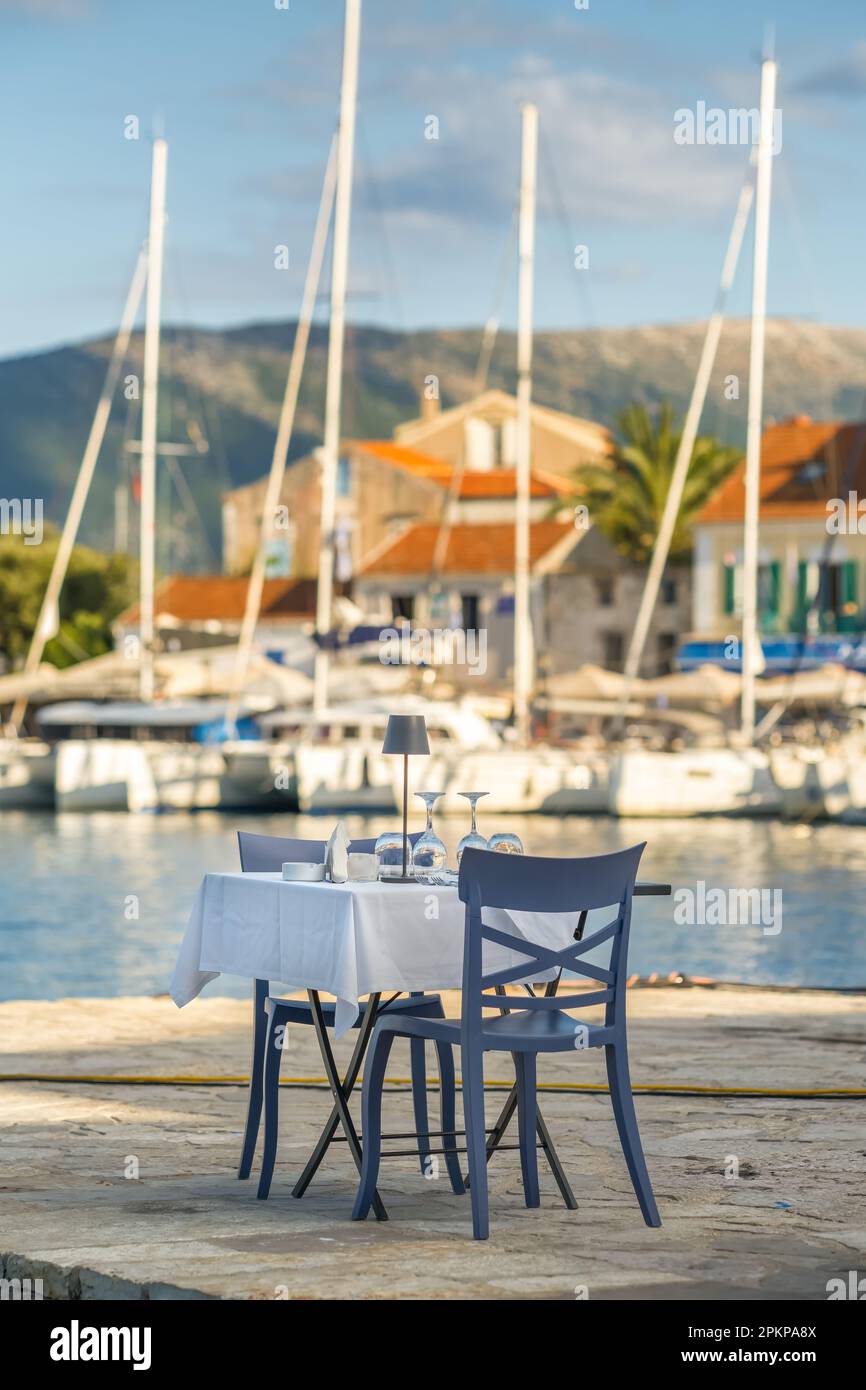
429, 855
506, 842
473, 840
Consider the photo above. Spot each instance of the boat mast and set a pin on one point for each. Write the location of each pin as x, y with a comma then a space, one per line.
150, 389
523, 646
684, 452
284, 436
333, 390
451, 508
750, 646
47, 622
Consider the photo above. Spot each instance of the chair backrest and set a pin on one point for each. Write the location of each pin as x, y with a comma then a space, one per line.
523, 883
266, 854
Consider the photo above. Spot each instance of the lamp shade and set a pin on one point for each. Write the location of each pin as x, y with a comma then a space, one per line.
406, 733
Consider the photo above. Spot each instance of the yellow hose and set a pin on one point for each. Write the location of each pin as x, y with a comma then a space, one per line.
648, 1088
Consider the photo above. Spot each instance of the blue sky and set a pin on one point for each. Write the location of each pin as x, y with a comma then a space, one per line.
247, 96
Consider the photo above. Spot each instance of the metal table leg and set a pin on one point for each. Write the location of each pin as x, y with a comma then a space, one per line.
341, 1091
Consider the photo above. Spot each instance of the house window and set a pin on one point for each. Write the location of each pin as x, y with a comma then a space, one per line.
669, 591
403, 607
479, 445
812, 472
469, 612
666, 647
604, 591
837, 607
344, 477
613, 649
769, 591
279, 557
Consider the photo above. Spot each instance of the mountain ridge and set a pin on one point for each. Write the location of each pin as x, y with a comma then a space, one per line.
228, 383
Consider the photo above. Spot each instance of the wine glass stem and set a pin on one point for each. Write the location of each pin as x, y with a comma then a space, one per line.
405, 807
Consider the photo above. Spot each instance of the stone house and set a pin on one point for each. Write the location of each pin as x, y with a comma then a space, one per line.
584, 598
812, 550
385, 485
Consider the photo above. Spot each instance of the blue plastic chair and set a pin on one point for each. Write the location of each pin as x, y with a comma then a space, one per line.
267, 854
531, 1025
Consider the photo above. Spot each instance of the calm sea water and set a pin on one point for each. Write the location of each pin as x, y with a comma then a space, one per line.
70, 884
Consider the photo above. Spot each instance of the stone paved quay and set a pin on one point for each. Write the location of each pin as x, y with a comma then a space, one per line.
185, 1227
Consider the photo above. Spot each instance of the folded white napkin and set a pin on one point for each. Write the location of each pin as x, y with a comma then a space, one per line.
337, 854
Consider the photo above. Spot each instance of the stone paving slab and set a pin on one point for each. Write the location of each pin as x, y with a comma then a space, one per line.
75, 1213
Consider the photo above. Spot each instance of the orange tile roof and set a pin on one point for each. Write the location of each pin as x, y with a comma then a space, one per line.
471, 549
502, 482
423, 464
476, 483
785, 450
191, 598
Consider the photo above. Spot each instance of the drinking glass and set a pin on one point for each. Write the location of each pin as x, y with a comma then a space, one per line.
473, 840
389, 848
429, 854
506, 842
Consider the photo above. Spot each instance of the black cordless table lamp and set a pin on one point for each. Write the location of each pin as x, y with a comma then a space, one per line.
406, 734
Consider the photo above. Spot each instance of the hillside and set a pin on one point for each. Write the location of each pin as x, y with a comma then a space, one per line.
230, 383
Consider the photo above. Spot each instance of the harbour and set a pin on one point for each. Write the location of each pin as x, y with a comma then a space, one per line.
433, 671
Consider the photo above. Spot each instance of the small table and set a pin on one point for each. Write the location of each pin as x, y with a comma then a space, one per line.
352, 940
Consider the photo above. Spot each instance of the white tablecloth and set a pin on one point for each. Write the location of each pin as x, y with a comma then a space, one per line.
348, 939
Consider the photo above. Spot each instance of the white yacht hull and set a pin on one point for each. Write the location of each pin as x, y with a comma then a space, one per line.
850, 807
355, 776
517, 781
350, 776
26, 775
813, 783
154, 775
705, 781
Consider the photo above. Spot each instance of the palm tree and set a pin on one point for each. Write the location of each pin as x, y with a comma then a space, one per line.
626, 500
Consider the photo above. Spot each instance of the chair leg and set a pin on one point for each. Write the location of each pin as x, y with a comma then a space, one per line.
616, 1057
527, 1110
371, 1121
476, 1138
418, 1061
257, 1067
273, 1057
448, 1111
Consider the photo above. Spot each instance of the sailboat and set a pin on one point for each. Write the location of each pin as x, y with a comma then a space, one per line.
739, 778
146, 750
522, 775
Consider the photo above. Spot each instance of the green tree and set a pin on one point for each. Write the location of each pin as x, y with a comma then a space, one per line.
626, 499
97, 588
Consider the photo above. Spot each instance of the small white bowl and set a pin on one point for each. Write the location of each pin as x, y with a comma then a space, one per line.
303, 873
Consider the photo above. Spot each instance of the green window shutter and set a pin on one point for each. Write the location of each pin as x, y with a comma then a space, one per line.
849, 621
771, 590
775, 587
729, 588
802, 596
